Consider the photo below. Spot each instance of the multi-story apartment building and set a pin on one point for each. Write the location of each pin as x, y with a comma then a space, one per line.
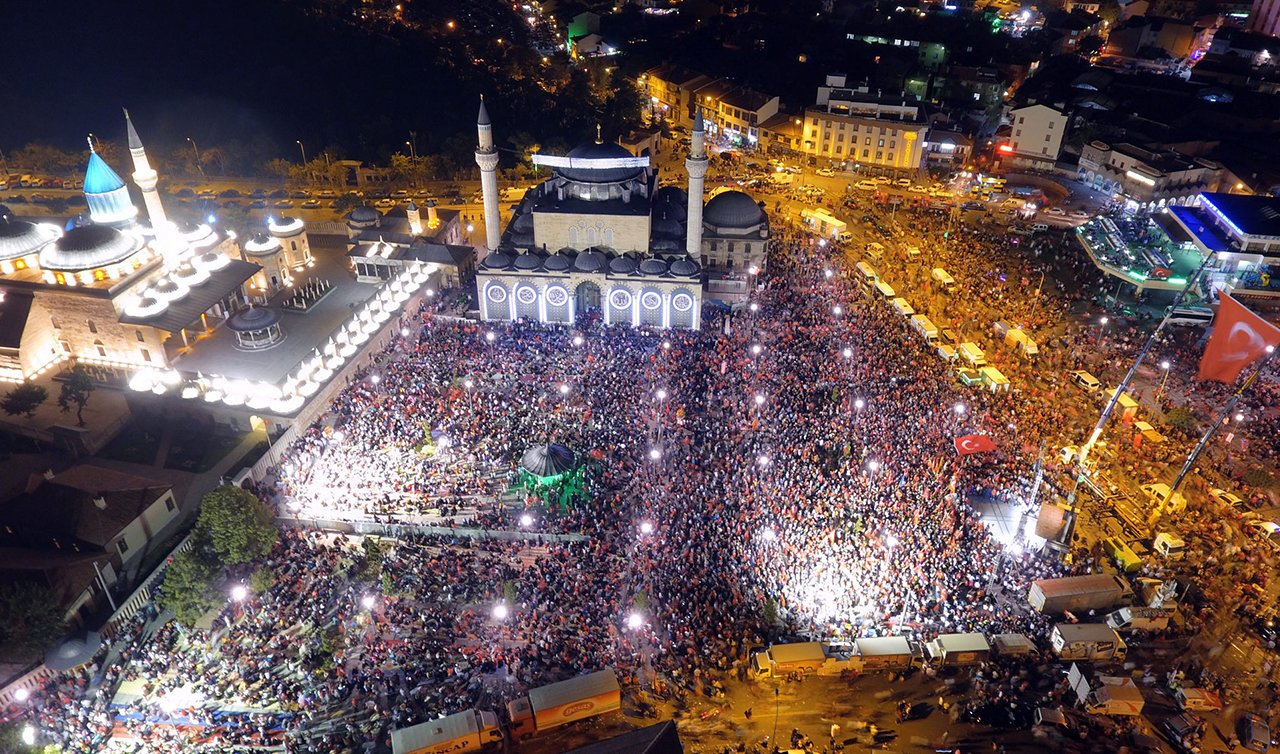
859, 128
1035, 136
1148, 177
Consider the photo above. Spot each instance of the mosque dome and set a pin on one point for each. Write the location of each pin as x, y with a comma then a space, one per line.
89, 247
19, 238
590, 261
599, 151
653, 266
496, 260
106, 194
733, 209
557, 263
529, 261
685, 268
261, 245
364, 214
622, 265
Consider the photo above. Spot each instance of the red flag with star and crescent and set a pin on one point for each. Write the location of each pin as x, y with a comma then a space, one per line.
969, 444
1239, 338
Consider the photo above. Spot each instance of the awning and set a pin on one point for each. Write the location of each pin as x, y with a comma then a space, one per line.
188, 309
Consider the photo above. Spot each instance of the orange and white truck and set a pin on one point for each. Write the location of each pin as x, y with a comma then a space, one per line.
554, 705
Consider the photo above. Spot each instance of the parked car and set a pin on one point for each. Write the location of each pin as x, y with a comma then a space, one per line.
1255, 734
1268, 531
901, 182
1080, 214
825, 172
283, 204
1056, 211
278, 194
311, 204
1230, 499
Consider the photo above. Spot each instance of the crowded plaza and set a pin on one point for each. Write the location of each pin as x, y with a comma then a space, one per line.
788, 470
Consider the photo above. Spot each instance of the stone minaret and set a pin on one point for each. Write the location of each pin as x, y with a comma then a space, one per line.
487, 159
696, 164
146, 179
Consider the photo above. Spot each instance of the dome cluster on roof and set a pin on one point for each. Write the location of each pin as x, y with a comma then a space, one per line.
253, 319
89, 247
261, 245
19, 238
733, 209
599, 151
364, 214
593, 260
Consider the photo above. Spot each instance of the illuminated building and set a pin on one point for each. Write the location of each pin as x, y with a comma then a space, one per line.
1244, 234
1147, 178
1035, 137
599, 235
860, 129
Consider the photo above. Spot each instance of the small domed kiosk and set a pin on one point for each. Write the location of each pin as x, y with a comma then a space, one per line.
552, 473
257, 328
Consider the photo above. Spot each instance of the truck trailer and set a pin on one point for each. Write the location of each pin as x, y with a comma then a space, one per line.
884, 653
823, 223
958, 649
803, 658
459, 733
1087, 642
1101, 591
1140, 618
554, 705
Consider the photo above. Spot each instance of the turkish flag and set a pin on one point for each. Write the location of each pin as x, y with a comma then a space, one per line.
1239, 338
970, 444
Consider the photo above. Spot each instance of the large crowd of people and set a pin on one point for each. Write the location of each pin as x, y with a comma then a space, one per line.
787, 470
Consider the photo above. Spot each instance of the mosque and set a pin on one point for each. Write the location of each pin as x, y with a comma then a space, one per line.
601, 235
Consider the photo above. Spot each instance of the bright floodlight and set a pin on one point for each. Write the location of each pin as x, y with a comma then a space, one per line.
375, 378
404, 332
28, 735
239, 593
500, 611
654, 454
662, 394
890, 541
959, 408
430, 293
768, 534
859, 404
564, 388
577, 340
827, 273
837, 310
754, 307
489, 336
646, 527
753, 269
847, 353
666, 345
822, 242
763, 460
21, 695
1104, 320
634, 621
1165, 364
526, 520
873, 465
756, 349
367, 602
1239, 417
468, 384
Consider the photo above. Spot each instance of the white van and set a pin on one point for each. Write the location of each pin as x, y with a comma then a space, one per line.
875, 250
1193, 316
1039, 228
913, 253
867, 271
885, 289
972, 354
926, 328
941, 277
902, 306
1170, 546
1085, 381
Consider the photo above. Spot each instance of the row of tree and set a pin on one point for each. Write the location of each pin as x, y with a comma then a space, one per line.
27, 397
233, 530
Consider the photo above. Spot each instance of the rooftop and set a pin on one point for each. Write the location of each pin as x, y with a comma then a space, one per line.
1200, 226
1250, 215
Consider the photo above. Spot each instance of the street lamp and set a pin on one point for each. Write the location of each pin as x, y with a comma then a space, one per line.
1164, 380
759, 399
489, 336
564, 388
873, 465
367, 602
239, 593
763, 460
577, 340
768, 534
303, 150
28, 735
1101, 329
646, 527
501, 611
21, 695
655, 454
756, 349
526, 520
635, 621
827, 273
847, 352
959, 409
837, 310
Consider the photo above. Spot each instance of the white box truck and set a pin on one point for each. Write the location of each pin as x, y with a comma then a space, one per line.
1013, 645
958, 649
564, 702
926, 328
1111, 695
459, 733
972, 355
823, 223
1087, 642
1101, 591
941, 277
883, 653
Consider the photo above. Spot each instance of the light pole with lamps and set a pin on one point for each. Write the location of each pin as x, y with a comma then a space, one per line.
303, 150
1102, 327
1164, 380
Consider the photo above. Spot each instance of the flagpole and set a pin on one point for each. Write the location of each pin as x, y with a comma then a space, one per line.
1213, 429
1069, 532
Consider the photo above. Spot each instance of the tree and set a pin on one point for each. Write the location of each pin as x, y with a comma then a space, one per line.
189, 588
346, 203
1181, 418
24, 399
261, 580
237, 525
76, 391
30, 619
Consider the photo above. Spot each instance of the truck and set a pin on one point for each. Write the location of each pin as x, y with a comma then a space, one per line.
958, 649
1018, 339
972, 355
559, 703
926, 328
883, 653
941, 277
461, 732
803, 658
1101, 591
1013, 645
1111, 695
1090, 642
1140, 618
823, 223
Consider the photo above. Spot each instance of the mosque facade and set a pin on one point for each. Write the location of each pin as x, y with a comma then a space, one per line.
600, 235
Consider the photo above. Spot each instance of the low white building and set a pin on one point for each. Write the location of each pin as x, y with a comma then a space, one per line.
1035, 137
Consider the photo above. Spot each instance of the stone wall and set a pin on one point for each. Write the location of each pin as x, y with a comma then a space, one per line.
73, 318
557, 230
